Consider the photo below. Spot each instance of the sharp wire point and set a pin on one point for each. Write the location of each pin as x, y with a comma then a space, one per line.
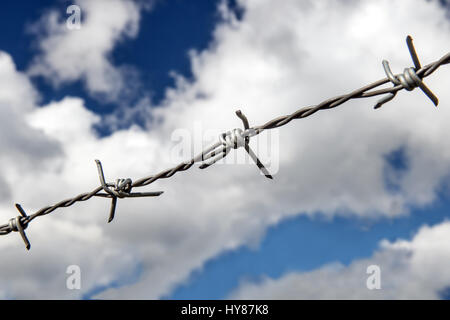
21, 211
413, 53
112, 210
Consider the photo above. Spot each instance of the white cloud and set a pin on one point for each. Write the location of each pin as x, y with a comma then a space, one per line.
415, 269
16, 90
331, 163
69, 55
23, 148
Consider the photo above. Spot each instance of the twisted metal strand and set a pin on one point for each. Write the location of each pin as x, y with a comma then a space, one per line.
410, 79
122, 189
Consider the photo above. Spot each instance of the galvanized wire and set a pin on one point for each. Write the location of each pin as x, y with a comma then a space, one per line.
411, 78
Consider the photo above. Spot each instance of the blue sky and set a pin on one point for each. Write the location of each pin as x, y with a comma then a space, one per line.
287, 248
167, 34
296, 243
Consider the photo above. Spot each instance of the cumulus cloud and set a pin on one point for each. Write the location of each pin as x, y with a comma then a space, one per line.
24, 148
414, 269
331, 164
68, 55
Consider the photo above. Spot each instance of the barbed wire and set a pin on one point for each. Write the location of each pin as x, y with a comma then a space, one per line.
410, 79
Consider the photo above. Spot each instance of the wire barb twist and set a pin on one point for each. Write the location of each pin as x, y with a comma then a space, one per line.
234, 139
19, 224
120, 189
410, 79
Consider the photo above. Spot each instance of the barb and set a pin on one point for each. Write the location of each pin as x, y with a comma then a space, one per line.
233, 140
122, 189
410, 79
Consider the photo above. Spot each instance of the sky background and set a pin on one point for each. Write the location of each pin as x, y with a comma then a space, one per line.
354, 186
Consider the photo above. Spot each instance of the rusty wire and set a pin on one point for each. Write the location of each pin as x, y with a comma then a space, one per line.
411, 78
